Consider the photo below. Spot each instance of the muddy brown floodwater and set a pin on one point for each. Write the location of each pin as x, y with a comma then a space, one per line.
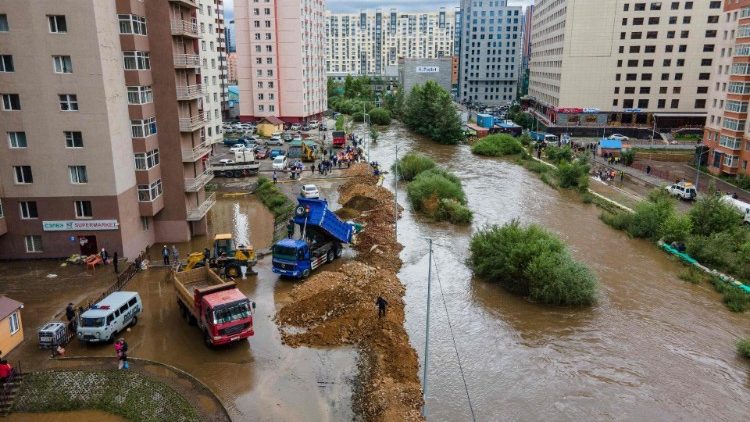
654, 347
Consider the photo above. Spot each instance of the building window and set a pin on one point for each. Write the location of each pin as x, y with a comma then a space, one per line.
73, 139
33, 244
132, 24
17, 139
662, 103
4, 23
23, 174
140, 95
6, 63
14, 323
136, 60
83, 209
148, 193
57, 24
28, 210
68, 102
146, 160
143, 128
78, 175
62, 64
11, 102
642, 103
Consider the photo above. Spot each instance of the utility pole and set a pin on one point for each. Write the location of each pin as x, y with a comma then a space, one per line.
427, 333
395, 196
364, 120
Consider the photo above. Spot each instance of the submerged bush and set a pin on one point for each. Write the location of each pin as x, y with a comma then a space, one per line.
531, 261
410, 165
498, 146
454, 212
438, 193
743, 347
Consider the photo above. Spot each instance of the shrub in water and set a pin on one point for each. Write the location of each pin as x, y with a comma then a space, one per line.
454, 212
410, 165
531, 261
429, 188
380, 116
497, 146
743, 347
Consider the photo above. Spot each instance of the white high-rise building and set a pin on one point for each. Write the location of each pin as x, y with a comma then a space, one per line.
490, 59
367, 43
281, 59
210, 19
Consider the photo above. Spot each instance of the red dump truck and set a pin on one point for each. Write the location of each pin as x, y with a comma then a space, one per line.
218, 308
339, 138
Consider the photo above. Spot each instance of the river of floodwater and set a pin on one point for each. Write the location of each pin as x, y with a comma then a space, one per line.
654, 347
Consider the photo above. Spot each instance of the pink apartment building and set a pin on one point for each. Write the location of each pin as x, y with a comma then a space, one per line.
281, 59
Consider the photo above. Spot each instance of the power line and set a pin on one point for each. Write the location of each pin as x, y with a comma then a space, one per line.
455, 346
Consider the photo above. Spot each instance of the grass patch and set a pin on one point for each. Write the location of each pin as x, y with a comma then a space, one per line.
411, 164
532, 262
498, 146
743, 347
275, 200
734, 299
122, 393
587, 198
692, 275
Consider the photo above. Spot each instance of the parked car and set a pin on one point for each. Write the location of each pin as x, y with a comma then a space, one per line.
683, 190
237, 148
232, 142
295, 126
280, 162
313, 125
275, 140
305, 128
619, 137
261, 153
275, 153
309, 191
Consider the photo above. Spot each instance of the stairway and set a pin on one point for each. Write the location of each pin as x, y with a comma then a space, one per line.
8, 393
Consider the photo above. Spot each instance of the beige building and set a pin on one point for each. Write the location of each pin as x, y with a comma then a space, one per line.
103, 120
214, 69
232, 68
367, 43
623, 62
281, 59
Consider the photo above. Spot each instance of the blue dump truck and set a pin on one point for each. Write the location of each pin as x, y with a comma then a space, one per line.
542, 137
322, 238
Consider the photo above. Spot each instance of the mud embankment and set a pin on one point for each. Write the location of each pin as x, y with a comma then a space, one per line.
338, 307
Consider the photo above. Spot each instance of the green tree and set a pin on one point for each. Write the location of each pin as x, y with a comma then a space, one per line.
711, 215
429, 111
374, 134
676, 228
334, 89
380, 116
349, 86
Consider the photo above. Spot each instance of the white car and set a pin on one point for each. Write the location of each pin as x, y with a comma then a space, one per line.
225, 161
295, 127
310, 191
237, 148
313, 125
683, 190
619, 137
280, 162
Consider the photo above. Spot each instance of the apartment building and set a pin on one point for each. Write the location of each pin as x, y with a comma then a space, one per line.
490, 59
623, 62
103, 119
281, 59
369, 43
214, 69
528, 28
726, 132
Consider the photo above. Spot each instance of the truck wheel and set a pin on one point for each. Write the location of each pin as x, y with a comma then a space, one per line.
233, 271
339, 251
331, 256
134, 321
237, 174
207, 340
305, 273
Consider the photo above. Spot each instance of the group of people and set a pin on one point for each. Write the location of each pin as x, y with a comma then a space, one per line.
607, 175
611, 158
104, 255
121, 351
174, 254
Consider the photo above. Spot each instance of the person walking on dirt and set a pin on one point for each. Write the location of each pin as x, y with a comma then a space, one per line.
290, 228
165, 255
115, 257
381, 303
274, 177
175, 255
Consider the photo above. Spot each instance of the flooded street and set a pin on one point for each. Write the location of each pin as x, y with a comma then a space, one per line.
654, 347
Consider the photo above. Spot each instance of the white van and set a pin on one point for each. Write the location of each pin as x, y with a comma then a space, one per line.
742, 207
280, 162
110, 316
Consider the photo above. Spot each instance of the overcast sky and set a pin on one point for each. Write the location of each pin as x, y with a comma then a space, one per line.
403, 5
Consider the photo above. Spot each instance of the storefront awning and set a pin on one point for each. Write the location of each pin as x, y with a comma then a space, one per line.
679, 114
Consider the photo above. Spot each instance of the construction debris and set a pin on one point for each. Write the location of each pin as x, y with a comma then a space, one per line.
338, 307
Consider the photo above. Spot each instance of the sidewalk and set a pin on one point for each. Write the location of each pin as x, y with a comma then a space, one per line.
674, 171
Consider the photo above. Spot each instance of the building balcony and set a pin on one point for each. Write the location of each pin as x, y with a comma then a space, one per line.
192, 123
197, 183
193, 155
197, 214
183, 61
728, 169
185, 28
189, 92
151, 208
188, 3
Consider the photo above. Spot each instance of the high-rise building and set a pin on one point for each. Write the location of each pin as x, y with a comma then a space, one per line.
368, 43
111, 152
596, 62
214, 69
232, 68
726, 132
230, 37
490, 59
528, 27
281, 59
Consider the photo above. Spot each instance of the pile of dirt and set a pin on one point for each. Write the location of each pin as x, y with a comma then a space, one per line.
338, 307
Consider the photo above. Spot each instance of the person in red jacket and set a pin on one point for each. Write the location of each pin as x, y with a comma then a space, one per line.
5, 370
